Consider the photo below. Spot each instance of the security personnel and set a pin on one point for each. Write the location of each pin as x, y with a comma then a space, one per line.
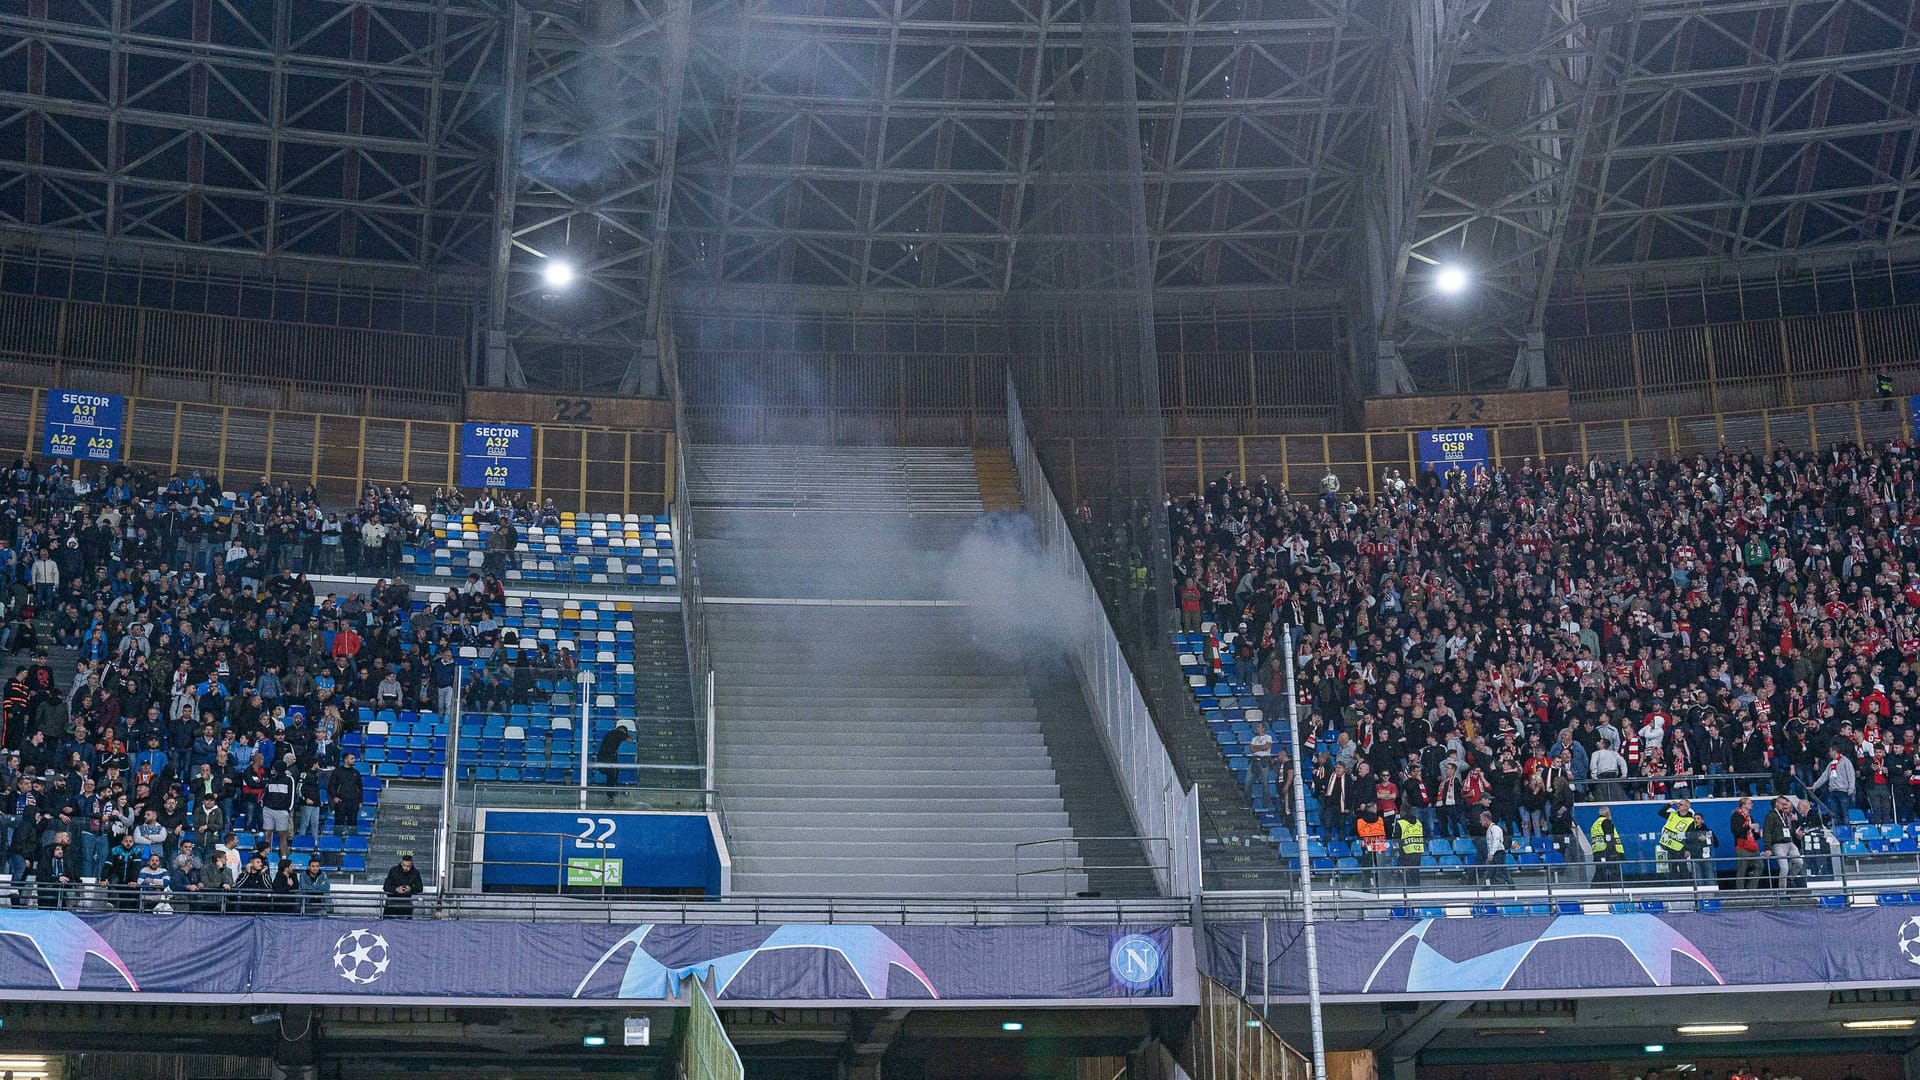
1413, 847
1673, 837
1882, 385
1608, 849
1371, 829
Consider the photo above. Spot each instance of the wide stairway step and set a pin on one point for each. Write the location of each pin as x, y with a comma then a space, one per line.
868, 749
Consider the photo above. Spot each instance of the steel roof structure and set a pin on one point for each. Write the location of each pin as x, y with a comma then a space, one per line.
855, 154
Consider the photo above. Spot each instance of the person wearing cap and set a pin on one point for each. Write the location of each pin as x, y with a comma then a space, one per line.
403, 883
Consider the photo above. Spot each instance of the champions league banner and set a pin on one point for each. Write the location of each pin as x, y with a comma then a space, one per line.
284, 957
1528, 956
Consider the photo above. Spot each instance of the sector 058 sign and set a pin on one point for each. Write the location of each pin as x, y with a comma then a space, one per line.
1453, 448
83, 426
496, 456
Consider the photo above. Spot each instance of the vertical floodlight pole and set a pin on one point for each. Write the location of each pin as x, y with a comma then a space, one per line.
585, 678
1300, 775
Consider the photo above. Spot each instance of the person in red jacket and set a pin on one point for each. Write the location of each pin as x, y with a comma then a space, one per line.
346, 642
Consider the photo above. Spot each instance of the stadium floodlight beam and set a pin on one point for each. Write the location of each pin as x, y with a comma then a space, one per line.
1451, 279
558, 273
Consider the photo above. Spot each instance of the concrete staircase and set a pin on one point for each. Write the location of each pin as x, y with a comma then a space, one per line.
840, 479
874, 751
664, 731
874, 735
408, 816
999, 482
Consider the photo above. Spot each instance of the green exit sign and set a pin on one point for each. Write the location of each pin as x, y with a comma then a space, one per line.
590, 872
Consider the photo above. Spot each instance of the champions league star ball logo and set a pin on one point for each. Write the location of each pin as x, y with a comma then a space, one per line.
1910, 940
361, 956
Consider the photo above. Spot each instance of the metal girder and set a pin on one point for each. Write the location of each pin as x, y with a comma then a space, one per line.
1743, 138
886, 144
353, 133
590, 156
854, 155
1488, 105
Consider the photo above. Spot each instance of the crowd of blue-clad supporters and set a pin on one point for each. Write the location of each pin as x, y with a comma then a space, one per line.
203, 722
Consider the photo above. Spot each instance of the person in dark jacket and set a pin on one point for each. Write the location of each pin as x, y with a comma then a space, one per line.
121, 873
255, 887
402, 885
345, 790
286, 888
57, 874
1777, 833
608, 755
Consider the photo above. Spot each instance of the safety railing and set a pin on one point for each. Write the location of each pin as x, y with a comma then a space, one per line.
1052, 866
693, 609
1160, 800
687, 796
1298, 463
1813, 873
1232, 1039
370, 901
1708, 785
589, 469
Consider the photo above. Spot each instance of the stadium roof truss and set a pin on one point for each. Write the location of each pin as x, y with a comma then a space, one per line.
847, 154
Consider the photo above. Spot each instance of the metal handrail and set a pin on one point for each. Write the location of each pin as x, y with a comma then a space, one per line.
1853, 878
1067, 869
364, 901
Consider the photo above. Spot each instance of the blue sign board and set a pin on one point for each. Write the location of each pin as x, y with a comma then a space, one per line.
83, 426
1445, 450
496, 456
595, 850
1639, 822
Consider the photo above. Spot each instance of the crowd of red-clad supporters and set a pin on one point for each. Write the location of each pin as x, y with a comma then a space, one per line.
1519, 638
213, 693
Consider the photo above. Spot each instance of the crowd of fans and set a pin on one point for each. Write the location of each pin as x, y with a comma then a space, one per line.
212, 687
1512, 640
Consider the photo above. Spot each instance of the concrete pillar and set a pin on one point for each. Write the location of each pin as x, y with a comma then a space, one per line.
296, 1052
1530, 365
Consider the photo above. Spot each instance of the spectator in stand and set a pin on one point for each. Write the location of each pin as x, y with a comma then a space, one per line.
346, 790
1839, 780
315, 889
402, 885
217, 882
1778, 833
1734, 613
253, 889
1260, 758
1750, 865
607, 756
286, 887
1492, 845
154, 880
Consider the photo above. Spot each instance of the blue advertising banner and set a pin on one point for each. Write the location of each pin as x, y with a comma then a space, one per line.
1639, 821
496, 456
1443, 451
83, 426
530, 849
1561, 954
285, 957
